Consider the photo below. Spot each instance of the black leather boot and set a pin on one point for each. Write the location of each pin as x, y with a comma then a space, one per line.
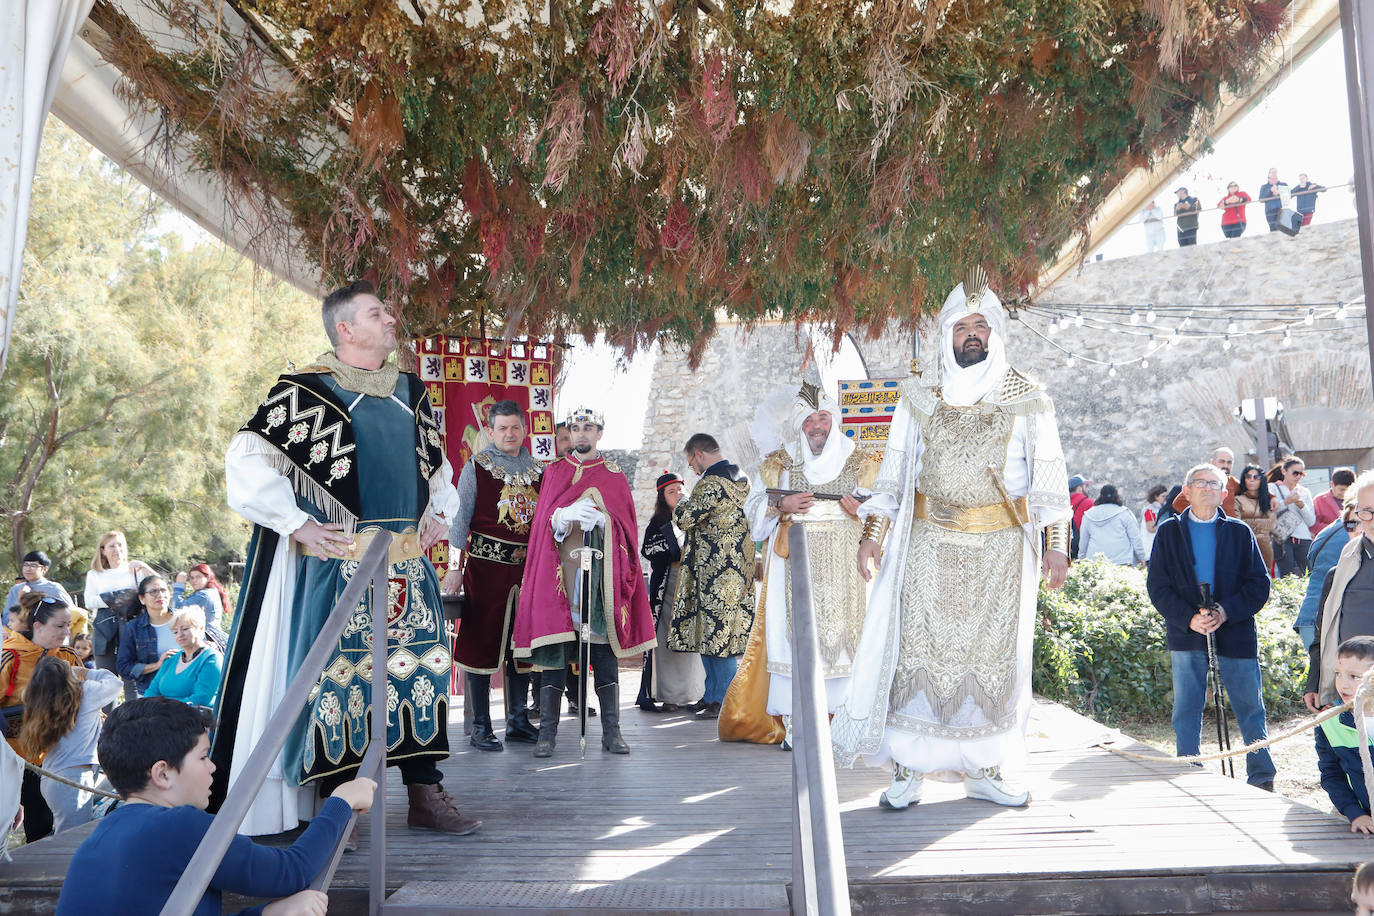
518, 727
550, 705
479, 695
609, 695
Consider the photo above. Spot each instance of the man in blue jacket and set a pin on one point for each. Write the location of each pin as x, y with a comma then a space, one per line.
1204, 545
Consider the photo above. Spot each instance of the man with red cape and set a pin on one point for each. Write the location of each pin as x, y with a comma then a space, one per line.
584, 501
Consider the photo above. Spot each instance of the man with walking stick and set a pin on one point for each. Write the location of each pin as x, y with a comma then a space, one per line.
1208, 580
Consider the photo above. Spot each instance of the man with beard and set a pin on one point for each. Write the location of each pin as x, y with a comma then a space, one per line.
972, 475
497, 491
584, 503
337, 453
831, 475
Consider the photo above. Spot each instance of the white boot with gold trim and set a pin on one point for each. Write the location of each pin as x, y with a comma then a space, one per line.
905, 790
987, 784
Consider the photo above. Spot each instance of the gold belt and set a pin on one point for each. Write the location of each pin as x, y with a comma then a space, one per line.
403, 546
977, 520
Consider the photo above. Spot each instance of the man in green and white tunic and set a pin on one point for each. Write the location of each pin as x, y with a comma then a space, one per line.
342, 450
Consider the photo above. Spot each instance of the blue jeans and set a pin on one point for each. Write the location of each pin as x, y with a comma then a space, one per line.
1241, 677
719, 673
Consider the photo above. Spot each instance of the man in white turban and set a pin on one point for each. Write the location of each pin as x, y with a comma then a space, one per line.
972, 478
830, 475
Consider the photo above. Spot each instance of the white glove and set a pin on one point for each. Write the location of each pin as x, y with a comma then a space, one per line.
583, 512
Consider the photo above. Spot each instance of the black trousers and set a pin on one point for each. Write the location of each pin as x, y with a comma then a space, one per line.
37, 815
605, 669
415, 771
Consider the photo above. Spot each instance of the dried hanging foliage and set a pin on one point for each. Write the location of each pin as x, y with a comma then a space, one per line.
633, 168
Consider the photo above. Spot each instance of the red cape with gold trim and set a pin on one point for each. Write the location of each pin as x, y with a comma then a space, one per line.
543, 616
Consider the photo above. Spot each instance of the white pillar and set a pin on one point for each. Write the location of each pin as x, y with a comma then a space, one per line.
37, 36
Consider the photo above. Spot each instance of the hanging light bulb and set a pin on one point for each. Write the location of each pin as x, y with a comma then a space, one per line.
1150, 316
1287, 337
1069, 360
1111, 370
1311, 317
1145, 362
1226, 342
1340, 310
1078, 318
1135, 316
1230, 325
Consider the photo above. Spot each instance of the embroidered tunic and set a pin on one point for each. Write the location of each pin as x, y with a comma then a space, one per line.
493, 527
714, 608
941, 680
318, 450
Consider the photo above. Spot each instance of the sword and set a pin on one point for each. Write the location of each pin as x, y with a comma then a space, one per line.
584, 555
1011, 508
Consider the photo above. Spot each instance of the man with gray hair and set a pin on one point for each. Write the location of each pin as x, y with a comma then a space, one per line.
1225, 459
1207, 577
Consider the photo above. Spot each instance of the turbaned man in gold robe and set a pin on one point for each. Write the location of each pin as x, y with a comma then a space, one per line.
972, 477
831, 476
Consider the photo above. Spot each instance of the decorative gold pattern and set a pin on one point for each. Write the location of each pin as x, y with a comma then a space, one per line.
837, 590
714, 609
976, 520
961, 596
810, 395
975, 285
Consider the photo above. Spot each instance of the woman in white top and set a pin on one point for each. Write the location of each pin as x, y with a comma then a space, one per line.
1296, 515
111, 573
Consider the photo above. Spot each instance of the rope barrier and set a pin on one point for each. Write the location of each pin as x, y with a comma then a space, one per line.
1258, 745
35, 768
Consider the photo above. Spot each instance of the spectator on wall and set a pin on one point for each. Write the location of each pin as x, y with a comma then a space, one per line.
1233, 211
1305, 197
1273, 194
1153, 217
1186, 209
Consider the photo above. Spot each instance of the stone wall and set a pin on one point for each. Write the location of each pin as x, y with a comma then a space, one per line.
1141, 426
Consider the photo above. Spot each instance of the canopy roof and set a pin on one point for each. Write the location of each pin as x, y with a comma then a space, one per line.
639, 168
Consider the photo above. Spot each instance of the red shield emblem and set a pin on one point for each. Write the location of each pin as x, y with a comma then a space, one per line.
397, 591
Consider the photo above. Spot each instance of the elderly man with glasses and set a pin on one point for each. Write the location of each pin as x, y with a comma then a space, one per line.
35, 572
1206, 547
1346, 608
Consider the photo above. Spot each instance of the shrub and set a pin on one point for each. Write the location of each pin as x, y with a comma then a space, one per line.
1100, 645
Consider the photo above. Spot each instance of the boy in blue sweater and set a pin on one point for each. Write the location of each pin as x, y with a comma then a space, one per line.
1338, 741
156, 753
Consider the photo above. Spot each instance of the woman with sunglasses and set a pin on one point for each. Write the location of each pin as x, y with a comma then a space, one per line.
147, 641
1294, 518
1256, 509
1325, 553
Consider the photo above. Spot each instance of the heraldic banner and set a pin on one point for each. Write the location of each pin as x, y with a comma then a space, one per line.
464, 377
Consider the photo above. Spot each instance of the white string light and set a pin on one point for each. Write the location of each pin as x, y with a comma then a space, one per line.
1150, 316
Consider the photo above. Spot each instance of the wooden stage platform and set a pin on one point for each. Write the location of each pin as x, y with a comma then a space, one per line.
1104, 833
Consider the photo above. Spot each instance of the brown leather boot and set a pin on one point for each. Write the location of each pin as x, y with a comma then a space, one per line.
431, 808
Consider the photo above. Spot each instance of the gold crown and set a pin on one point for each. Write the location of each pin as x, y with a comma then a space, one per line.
810, 395
586, 415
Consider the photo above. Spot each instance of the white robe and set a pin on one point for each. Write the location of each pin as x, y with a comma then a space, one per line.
860, 726
264, 496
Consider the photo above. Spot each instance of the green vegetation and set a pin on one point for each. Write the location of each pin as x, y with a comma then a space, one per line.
135, 357
1100, 645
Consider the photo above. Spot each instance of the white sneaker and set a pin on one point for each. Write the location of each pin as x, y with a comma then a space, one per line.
905, 790
787, 733
988, 785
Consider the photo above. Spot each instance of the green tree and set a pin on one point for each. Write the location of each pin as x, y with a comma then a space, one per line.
135, 357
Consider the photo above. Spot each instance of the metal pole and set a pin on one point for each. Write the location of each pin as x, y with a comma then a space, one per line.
376, 863
207, 857
1357, 35
820, 883
1261, 439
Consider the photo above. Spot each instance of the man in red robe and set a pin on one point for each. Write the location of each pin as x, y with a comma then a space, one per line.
584, 502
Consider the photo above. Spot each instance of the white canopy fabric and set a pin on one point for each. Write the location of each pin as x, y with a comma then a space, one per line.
40, 31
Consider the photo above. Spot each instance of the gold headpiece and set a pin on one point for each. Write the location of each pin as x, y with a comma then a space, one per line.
810, 395
975, 284
586, 415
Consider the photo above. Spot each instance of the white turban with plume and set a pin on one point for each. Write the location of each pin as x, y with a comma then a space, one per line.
964, 386
826, 466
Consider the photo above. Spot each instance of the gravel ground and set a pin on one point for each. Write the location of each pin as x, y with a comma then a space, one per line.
1295, 758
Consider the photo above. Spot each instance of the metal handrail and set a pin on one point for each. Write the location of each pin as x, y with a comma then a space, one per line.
372, 571
820, 881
